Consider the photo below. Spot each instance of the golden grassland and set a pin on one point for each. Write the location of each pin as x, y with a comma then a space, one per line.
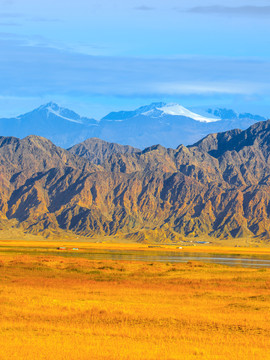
56, 307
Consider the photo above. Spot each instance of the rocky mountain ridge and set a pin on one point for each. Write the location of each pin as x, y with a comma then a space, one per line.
218, 187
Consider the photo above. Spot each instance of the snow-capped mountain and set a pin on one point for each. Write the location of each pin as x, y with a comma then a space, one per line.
58, 124
168, 125
123, 115
158, 110
228, 114
60, 112
178, 110
157, 123
53, 111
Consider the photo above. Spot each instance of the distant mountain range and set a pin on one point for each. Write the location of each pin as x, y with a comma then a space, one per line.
157, 123
218, 187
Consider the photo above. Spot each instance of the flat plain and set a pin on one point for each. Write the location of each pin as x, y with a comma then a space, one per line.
61, 305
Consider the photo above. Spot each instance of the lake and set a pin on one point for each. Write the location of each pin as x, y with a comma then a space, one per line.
180, 256
256, 261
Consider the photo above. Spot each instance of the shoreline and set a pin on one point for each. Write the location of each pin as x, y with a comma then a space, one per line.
95, 247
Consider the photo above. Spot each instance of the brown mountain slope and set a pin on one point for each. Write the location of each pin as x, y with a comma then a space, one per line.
24, 161
218, 187
97, 150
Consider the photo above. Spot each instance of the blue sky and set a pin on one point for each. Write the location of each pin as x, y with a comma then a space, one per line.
98, 56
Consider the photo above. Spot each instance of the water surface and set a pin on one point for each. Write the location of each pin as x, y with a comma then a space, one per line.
180, 256
255, 261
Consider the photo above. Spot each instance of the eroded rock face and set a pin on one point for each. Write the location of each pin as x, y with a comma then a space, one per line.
97, 150
218, 187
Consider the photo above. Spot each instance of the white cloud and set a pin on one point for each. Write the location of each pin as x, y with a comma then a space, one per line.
208, 87
36, 68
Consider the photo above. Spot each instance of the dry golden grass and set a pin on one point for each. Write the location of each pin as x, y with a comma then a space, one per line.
103, 244
64, 308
